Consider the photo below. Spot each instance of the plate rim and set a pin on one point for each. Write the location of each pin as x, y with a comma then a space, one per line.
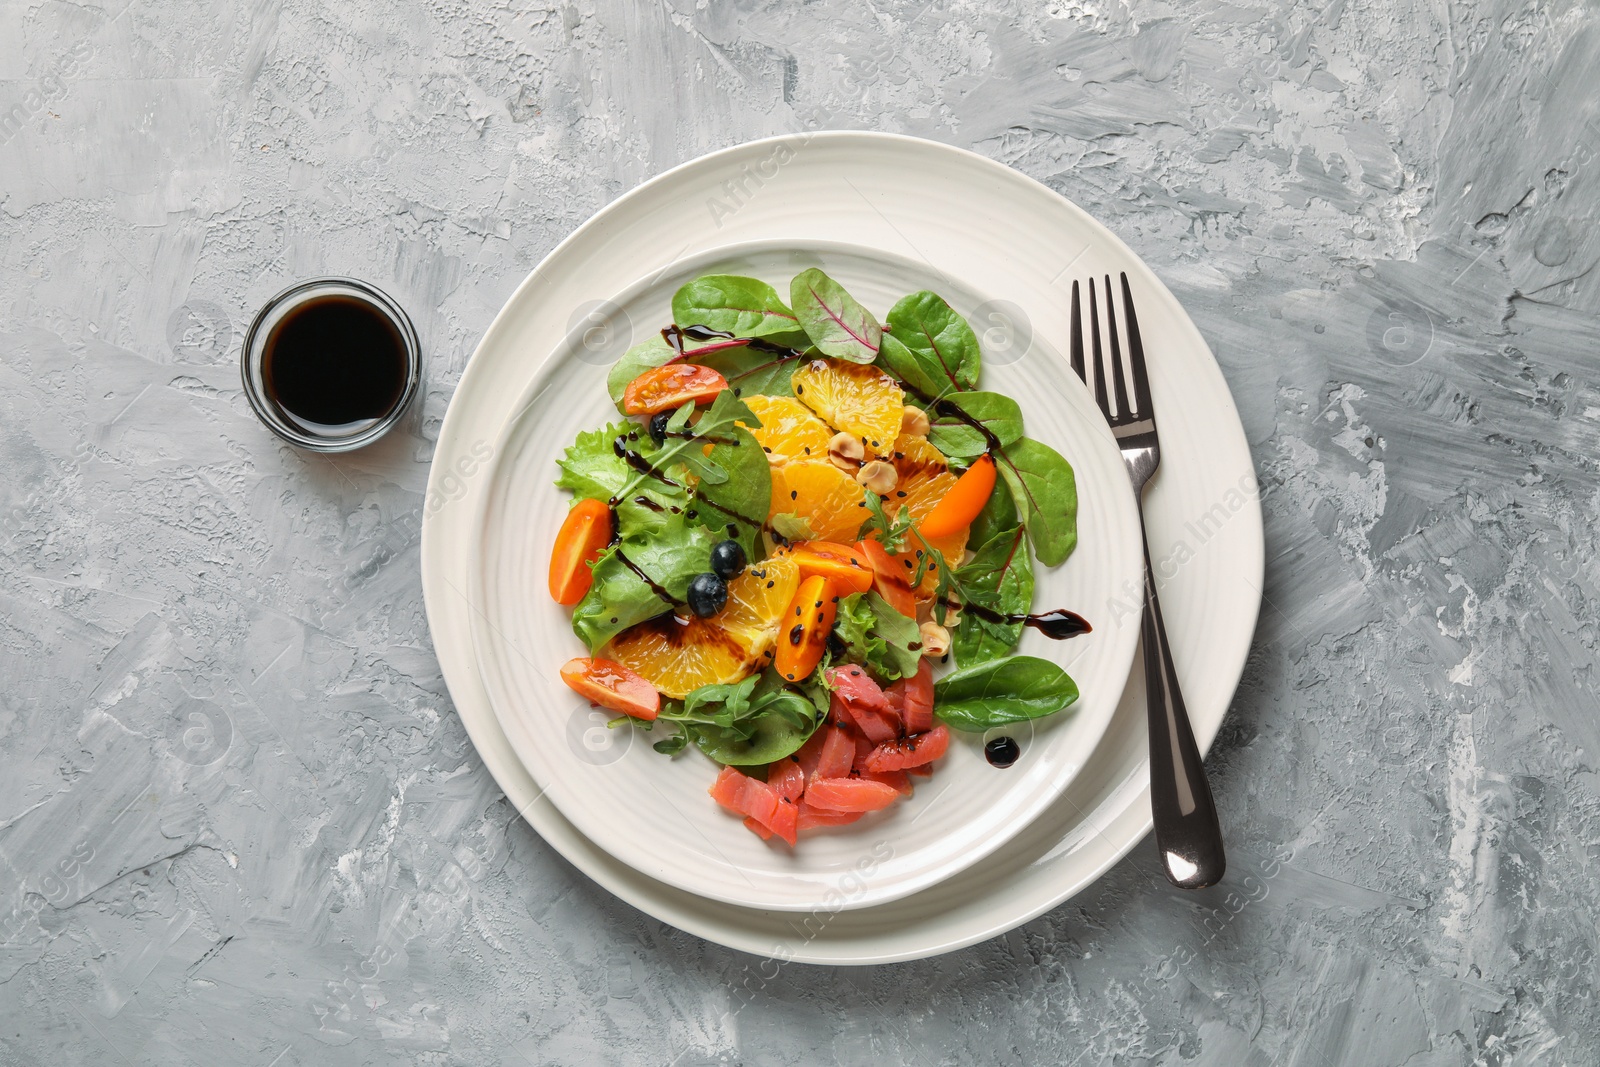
1117, 810
1123, 521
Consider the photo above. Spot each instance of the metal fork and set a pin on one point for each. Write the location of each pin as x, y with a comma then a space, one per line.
1180, 798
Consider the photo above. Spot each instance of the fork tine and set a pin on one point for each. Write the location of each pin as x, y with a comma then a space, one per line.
1077, 336
1141, 382
1099, 363
1119, 389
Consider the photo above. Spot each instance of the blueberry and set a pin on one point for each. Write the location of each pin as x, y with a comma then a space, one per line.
727, 559
707, 595
658, 426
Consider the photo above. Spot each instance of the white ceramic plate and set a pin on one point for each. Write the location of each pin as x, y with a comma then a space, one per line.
995, 231
653, 812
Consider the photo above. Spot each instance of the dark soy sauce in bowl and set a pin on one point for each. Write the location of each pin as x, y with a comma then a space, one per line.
331, 364
334, 365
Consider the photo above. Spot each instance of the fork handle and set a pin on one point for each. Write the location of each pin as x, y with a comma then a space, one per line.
1187, 832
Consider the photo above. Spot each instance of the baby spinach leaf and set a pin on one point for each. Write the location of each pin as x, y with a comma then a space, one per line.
836, 324
745, 307
997, 516
737, 507
957, 438
919, 374
877, 636
750, 371
647, 355
1046, 496
777, 732
1000, 691
941, 339
999, 577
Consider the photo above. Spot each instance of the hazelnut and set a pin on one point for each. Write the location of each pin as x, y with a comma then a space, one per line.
878, 476
935, 639
914, 421
846, 451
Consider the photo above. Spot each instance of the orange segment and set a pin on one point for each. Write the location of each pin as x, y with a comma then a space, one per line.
924, 481
788, 429
853, 398
757, 598
677, 653
822, 494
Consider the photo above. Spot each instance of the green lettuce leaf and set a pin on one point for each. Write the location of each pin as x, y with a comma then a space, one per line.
877, 636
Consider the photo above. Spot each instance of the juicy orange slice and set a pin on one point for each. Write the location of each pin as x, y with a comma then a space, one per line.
853, 398
789, 429
677, 653
924, 479
756, 599
823, 495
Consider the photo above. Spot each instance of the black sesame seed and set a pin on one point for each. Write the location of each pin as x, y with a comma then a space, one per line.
797, 634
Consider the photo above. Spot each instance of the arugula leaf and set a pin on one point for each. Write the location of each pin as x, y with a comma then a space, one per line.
877, 636
686, 449
998, 413
945, 346
746, 307
1046, 496
754, 721
752, 372
675, 744
833, 320
891, 533
736, 507
998, 577
1001, 691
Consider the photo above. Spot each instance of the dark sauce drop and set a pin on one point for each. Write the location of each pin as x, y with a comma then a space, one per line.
1001, 752
1057, 624
334, 365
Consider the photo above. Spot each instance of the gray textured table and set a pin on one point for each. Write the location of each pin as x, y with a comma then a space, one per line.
239, 821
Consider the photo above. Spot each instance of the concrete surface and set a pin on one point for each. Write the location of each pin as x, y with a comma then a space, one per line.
239, 822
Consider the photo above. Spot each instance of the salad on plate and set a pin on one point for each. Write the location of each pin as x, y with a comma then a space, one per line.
800, 512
